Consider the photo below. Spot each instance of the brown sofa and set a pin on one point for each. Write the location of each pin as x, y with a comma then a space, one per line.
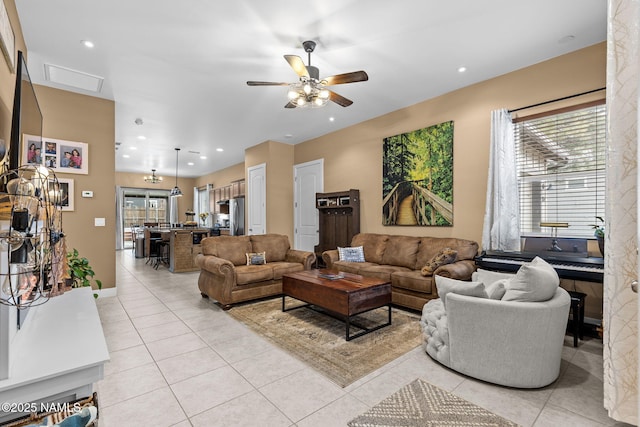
226, 277
399, 260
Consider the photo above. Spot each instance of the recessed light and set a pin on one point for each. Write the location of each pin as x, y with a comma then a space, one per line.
87, 43
462, 69
126, 156
203, 157
288, 135
190, 163
133, 148
220, 150
142, 137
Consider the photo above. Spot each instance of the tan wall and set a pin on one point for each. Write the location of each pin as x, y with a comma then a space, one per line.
77, 118
135, 180
279, 182
73, 117
353, 156
222, 177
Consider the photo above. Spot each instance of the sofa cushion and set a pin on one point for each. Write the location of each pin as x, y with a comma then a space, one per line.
446, 285
401, 251
247, 274
534, 281
275, 245
382, 272
351, 267
430, 246
488, 277
352, 254
232, 248
412, 280
373, 244
280, 268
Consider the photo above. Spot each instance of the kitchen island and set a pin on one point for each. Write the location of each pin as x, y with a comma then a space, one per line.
182, 244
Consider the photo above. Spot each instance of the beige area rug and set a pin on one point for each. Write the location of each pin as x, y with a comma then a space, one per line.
319, 339
422, 404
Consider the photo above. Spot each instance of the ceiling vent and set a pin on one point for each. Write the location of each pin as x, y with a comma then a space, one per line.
72, 78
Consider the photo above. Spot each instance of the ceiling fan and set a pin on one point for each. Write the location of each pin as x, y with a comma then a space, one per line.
310, 90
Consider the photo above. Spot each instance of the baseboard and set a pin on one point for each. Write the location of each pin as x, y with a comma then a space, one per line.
106, 293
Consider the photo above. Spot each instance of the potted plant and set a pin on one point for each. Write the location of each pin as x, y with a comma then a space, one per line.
80, 271
599, 233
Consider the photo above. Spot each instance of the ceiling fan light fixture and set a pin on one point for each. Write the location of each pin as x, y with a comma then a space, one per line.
293, 93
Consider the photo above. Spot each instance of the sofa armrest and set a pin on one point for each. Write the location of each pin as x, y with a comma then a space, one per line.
329, 257
460, 270
215, 265
303, 257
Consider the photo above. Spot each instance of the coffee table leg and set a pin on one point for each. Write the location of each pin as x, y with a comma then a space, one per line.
365, 330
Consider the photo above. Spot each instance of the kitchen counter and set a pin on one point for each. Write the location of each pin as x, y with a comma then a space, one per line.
184, 245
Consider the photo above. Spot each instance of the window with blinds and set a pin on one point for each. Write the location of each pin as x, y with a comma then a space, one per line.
561, 171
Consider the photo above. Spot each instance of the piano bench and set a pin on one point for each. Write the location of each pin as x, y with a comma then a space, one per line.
577, 315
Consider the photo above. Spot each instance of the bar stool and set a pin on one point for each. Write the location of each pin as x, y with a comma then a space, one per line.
577, 315
162, 253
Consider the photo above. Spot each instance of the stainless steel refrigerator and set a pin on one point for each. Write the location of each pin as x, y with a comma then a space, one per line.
236, 216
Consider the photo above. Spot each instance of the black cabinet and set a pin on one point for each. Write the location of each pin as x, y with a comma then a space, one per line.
339, 219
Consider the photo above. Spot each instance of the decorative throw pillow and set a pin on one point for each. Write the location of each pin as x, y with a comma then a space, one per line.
497, 289
535, 281
446, 285
445, 256
354, 254
256, 258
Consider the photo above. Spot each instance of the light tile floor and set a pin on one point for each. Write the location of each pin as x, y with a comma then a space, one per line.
179, 360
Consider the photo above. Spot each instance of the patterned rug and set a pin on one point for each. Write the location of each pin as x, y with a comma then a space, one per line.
319, 340
421, 404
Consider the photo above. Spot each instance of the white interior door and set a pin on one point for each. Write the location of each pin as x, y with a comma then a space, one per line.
308, 180
256, 199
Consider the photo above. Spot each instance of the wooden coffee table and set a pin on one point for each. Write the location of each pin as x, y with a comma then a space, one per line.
343, 297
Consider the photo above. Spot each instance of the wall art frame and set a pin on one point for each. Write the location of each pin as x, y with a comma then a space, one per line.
60, 155
67, 193
417, 177
7, 38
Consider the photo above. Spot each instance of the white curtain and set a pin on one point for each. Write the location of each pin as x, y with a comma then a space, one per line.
501, 230
620, 311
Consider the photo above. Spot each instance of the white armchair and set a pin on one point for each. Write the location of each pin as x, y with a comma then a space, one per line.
511, 343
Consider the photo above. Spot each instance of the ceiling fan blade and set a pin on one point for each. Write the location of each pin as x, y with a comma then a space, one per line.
252, 83
339, 99
298, 65
338, 79
290, 105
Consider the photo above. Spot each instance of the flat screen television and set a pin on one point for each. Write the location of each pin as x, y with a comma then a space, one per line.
26, 120
27, 117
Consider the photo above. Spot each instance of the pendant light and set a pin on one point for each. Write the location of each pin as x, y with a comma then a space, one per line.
176, 192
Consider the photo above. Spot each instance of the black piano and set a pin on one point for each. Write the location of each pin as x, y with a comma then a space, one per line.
568, 256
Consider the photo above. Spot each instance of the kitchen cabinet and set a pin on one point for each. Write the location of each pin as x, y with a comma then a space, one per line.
237, 188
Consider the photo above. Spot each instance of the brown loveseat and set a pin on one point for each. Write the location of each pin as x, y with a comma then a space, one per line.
399, 260
226, 277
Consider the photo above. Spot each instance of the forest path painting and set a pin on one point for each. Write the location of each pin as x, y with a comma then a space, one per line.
417, 177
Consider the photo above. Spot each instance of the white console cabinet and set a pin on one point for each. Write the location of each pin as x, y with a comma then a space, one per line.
59, 352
